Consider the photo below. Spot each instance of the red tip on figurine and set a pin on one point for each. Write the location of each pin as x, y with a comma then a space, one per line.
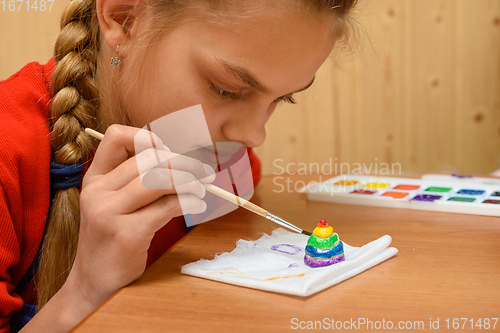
322, 224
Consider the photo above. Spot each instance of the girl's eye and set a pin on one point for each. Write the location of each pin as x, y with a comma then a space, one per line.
286, 99
224, 94
219, 92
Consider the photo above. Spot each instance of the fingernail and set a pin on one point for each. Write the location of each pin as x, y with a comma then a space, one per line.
203, 190
209, 170
200, 209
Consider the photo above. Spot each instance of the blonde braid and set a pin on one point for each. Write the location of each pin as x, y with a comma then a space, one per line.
74, 107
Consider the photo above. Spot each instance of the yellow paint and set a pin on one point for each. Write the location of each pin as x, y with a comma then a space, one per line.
376, 185
323, 232
345, 183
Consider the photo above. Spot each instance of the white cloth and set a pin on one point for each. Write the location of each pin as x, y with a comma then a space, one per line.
262, 264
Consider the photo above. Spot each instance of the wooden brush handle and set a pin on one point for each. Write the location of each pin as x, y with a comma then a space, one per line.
95, 134
235, 199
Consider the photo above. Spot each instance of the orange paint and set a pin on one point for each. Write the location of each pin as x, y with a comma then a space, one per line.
285, 277
407, 187
395, 195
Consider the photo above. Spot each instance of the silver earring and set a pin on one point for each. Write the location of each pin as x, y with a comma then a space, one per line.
115, 62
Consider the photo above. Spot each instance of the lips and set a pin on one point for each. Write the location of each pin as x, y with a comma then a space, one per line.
210, 155
206, 156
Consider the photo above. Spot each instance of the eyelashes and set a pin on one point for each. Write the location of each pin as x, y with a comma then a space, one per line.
223, 94
229, 95
286, 99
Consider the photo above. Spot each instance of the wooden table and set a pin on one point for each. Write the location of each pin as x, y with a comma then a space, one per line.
448, 266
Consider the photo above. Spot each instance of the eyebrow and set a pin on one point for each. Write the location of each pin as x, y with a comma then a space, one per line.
244, 76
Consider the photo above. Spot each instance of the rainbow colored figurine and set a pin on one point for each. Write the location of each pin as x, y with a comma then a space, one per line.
323, 247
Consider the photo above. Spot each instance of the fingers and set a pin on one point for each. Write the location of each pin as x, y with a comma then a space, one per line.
134, 183
153, 158
136, 195
119, 143
160, 212
201, 171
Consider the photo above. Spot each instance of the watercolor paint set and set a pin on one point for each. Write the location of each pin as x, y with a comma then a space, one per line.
433, 193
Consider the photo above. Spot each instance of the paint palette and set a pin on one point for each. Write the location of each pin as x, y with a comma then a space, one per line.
443, 195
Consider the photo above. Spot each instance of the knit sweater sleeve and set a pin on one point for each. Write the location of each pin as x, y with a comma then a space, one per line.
24, 178
10, 302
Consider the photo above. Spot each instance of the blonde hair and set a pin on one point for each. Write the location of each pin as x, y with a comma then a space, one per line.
75, 106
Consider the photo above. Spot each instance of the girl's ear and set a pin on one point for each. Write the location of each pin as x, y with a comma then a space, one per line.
118, 20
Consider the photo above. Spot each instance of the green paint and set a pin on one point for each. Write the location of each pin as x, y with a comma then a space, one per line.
461, 199
322, 243
438, 189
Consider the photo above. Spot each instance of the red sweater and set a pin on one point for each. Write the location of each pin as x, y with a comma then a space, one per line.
25, 182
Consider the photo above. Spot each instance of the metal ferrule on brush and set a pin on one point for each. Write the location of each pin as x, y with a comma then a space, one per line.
280, 221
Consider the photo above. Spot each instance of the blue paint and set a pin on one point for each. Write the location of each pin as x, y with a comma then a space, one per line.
470, 192
314, 252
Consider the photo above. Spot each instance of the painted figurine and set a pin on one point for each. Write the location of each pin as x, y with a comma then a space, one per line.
323, 247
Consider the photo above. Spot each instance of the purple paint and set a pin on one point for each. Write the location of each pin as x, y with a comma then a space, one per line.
294, 249
293, 265
322, 263
426, 197
461, 176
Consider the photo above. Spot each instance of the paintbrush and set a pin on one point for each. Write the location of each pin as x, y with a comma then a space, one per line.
232, 198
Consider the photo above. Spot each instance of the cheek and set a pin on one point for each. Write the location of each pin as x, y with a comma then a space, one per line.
250, 113
179, 85
162, 94
216, 116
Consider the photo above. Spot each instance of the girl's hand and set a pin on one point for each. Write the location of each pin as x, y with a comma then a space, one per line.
120, 215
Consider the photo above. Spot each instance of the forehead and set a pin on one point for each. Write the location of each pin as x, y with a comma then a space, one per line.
281, 47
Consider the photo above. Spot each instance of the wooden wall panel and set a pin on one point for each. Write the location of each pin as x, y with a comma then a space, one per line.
352, 113
430, 116
376, 87
478, 85
422, 89
27, 36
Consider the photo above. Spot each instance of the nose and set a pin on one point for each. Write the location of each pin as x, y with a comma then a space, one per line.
248, 128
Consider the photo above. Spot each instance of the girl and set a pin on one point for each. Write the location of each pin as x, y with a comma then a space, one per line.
130, 62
